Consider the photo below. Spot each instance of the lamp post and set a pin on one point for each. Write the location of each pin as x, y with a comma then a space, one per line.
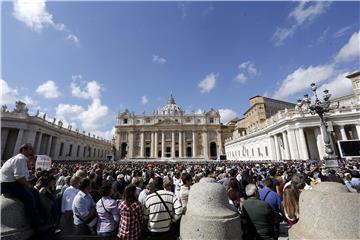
320, 108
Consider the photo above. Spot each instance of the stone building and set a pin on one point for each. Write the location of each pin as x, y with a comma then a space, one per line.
290, 135
170, 133
48, 138
261, 108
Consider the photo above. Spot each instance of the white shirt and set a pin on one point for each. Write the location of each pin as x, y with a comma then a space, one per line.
68, 198
14, 168
82, 205
142, 196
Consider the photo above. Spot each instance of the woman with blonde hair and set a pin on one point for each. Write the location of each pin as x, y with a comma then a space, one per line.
291, 204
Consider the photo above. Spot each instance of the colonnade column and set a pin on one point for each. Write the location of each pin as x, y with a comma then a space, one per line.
292, 145
277, 149
131, 145
152, 145
156, 145
319, 142
4, 137
162, 144
273, 150
304, 151
194, 153
180, 144
18, 141
343, 133
286, 146
357, 126
172, 144
205, 145
220, 147
38, 144
49, 145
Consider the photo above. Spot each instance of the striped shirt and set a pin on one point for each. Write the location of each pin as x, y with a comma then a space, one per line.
155, 211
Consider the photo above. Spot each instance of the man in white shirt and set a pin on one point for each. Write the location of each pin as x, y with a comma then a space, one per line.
184, 191
14, 183
68, 197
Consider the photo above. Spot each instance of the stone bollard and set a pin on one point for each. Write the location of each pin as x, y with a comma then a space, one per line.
328, 211
14, 225
208, 215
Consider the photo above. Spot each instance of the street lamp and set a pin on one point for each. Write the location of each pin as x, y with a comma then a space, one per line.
320, 108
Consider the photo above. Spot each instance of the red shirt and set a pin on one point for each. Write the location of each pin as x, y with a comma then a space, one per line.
131, 220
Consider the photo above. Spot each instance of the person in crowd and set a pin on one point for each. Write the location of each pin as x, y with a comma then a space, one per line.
291, 204
14, 182
150, 188
84, 211
258, 216
177, 183
119, 186
184, 191
355, 180
107, 212
162, 209
68, 198
131, 215
138, 182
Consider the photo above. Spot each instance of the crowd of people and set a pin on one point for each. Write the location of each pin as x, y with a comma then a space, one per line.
146, 200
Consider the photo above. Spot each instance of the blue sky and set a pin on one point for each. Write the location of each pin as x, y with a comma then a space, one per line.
83, 62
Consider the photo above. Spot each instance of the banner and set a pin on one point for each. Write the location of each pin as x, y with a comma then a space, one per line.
43, 162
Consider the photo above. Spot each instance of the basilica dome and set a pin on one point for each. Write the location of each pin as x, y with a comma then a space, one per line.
171, 108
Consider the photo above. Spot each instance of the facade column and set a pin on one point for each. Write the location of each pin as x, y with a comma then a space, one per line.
194, 152
162, 144
173, 144
31, 137
49, 146
38, 143
152, 145
142, 144
319, 142
343, 133
180, 145
286, 146
156, 142
292, 145
220, 145
357, 126
18, 141
277, 149
304, 151
206, 145
131, 145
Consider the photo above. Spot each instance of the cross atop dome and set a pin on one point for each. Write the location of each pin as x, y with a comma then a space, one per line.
171, 99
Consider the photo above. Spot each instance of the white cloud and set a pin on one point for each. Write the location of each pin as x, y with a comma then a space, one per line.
30, 101
304, 12
248, 70
249, 67
208, 83
339, 86
76, 77
48, 90
351, 50
108, 135
71, 37
307, 11
281, 34
92, 90
241, 78
8, 95
199, 111
35, 16
301, 78
93, 117
144, 100
158, 59
227, 115
342, 31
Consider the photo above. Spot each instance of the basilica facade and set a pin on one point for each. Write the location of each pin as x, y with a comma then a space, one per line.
170, 133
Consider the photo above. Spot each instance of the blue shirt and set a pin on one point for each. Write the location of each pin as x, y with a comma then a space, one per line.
273, 199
